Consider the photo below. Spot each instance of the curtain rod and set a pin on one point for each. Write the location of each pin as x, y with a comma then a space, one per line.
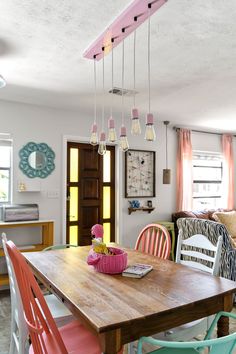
202, 131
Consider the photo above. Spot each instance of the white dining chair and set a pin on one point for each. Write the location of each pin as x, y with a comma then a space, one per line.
192, 252
19, 332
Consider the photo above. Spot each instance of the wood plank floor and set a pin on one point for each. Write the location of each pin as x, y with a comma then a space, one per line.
5, 320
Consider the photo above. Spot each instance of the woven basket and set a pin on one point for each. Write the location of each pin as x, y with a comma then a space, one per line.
109, 264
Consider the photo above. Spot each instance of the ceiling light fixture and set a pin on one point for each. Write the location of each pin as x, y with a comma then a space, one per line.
166, 171
124, 145
111, 123
128, 21
94, 129
102, 140
150, 134
135, 123
2, 81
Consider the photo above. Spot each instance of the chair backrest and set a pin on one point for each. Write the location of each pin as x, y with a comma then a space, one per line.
223, 345
19, 330
58, 247
194, 252
154, 239
39, 320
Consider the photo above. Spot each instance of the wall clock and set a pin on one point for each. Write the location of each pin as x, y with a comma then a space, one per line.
139, 173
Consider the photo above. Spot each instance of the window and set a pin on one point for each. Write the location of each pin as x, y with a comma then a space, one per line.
207, 180
5, 170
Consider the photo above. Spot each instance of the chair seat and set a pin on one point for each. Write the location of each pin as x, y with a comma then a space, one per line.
186, 331
77, 339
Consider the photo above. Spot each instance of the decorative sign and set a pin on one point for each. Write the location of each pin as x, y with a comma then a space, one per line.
139, 173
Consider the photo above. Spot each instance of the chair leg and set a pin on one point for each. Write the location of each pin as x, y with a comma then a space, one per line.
131, 348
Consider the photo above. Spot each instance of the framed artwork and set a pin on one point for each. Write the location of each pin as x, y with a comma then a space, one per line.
139, 173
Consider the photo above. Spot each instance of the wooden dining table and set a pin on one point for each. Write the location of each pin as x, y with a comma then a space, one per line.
121, 309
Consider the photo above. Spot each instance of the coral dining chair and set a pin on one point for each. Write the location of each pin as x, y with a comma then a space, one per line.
19, 330
45, 337
155, 240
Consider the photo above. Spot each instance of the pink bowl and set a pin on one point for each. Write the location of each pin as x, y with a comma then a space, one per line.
114, 264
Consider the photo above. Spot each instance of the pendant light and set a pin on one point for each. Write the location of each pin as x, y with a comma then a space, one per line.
102, 140
166, 171
150, 134
135, 123
111, 123
2, 82
94, 129
124, 145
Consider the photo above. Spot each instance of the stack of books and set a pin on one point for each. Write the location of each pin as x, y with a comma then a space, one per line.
137, 270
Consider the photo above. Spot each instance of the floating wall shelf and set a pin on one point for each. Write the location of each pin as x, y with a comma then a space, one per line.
130, 19
149, 210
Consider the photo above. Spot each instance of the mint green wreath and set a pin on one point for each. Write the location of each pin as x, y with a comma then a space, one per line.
31, 172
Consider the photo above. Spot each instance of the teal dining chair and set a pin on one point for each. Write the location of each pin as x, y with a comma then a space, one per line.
223, 345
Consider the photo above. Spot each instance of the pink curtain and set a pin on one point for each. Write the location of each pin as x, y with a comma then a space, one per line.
184, 170
228, 171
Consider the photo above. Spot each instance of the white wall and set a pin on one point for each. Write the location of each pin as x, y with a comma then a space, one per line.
39, 124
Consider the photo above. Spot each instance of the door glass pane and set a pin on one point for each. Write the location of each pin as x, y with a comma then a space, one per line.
73, 235
74, 165
106, 202
107, 167
73, 212
107, 232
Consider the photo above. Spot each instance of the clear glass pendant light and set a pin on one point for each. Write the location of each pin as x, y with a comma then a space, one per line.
94, 128
111, 123
123, 142
150, 134
102, 140
135, 123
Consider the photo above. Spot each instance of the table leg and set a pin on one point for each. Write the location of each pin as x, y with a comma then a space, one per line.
223, 327
111, 342
223, 323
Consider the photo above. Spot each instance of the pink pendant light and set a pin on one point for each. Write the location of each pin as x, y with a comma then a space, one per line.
94, 129
135, 123
150, 134
124, 145
102, 140
111, 123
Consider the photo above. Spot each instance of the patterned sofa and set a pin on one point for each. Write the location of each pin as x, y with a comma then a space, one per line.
212, 230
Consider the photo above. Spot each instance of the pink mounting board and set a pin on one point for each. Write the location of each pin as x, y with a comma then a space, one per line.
131, 18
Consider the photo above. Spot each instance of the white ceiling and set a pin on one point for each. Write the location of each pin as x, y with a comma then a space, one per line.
193, 51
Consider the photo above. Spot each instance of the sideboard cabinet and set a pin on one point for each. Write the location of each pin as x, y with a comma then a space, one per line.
47, 228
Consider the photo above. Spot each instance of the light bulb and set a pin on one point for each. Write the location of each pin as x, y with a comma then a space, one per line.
94, 134
111, 130
150, 134
102, 144
135, 123
124, 144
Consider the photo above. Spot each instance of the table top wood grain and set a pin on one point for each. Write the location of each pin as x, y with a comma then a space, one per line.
124, 308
